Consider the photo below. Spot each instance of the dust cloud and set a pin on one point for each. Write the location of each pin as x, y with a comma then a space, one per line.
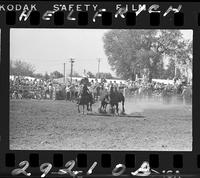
135, 104
138, 105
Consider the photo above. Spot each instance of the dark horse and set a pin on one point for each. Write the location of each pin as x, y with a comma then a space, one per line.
104, 103
85, 81
85, 99
115, 98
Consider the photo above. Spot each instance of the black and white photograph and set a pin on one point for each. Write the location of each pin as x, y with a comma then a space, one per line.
100, 89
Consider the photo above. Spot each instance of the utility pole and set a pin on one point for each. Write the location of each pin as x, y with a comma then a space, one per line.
64, 74
71, 61
99, 60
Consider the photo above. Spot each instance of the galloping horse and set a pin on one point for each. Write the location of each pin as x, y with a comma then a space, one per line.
85, 98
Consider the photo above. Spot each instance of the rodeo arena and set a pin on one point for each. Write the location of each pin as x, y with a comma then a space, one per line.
101, 89
70, 115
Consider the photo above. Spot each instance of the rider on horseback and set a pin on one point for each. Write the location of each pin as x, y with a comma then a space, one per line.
85, 90
116, 97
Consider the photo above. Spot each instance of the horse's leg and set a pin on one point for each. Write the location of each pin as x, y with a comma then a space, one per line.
78, 108
71, 95
101, 106
72, 98
112, 109
91, 102
105, 107
94, 96
123, 109
88, 107
117, 108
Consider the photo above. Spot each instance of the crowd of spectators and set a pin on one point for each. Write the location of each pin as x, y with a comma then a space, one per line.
21, 87
179, 89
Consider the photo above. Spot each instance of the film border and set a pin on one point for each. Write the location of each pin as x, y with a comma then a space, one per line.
184, 161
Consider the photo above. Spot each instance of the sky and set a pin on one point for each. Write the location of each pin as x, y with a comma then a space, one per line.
49, 49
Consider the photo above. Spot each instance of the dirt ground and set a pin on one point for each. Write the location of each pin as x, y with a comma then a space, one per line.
56, 125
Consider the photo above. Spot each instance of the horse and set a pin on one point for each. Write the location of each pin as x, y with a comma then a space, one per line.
85, 81
115, 98
104, 103
85, 98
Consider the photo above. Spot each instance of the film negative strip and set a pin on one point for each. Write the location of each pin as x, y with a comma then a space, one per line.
99, 89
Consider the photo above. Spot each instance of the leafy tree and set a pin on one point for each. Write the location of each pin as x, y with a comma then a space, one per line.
129, 52
38, 75
21, 68
104, 75
169, 73
56, 75
182, 60
76, 74
46, 76
90, 74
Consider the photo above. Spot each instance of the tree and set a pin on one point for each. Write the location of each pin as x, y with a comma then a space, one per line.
90, 74
21, 68
129, 52
46, 76
38, 75
56, 75
75, 74
169, 73
104, 75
